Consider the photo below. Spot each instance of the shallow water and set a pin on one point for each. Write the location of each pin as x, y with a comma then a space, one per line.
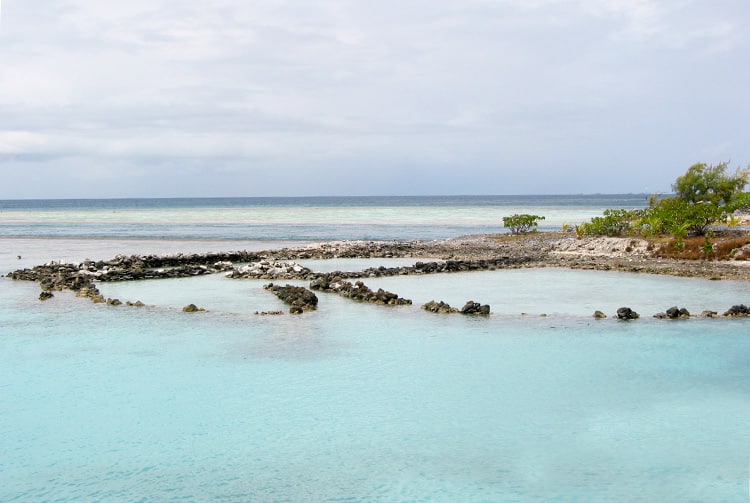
372, 403
358, 402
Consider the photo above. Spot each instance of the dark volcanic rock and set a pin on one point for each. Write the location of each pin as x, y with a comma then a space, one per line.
299, 298
357, 291
675, 312
74, 276
599, 315
192, 308
625, 313
45, 295
439, 307
472, 307
738, 311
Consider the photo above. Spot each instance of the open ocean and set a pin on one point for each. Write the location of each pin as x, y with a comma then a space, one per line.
354, 402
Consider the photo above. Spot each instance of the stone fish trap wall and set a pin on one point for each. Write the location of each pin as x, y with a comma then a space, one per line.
537, 251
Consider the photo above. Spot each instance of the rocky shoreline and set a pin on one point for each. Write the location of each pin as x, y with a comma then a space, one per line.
469, 253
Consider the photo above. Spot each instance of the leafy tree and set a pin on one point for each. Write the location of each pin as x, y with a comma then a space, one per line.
703, 183
679, 217
521, 224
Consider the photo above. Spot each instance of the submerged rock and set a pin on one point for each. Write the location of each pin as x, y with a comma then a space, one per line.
192, 308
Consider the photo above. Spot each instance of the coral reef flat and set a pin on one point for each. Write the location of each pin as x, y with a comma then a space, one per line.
467, 253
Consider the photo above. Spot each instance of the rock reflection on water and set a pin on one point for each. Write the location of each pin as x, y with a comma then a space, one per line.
297, 337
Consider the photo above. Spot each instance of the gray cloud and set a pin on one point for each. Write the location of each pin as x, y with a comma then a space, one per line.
342, 97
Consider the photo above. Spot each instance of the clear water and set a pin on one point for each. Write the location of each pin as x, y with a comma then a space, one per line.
356, 402
296, 218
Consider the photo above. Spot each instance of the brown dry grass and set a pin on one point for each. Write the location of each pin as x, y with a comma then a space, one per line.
693, 248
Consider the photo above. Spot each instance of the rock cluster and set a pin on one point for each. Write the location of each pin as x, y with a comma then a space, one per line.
271, 270
80, 277
192, 308
600, 246
439, 307
357, 291
674, 313
472, 307
625, 313
299, 298
435, 267
91, 292
363, 249
738, 311
469, 253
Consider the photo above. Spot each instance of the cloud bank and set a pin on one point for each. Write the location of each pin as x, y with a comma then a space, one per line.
227, 98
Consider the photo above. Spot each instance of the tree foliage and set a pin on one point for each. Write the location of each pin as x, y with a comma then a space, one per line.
679, 217
704, 183
705, 195
739, 201
521, 224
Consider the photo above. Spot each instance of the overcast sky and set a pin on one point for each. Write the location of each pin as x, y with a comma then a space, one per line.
104, 98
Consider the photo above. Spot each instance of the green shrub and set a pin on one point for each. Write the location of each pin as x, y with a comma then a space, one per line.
708, 247
521, 224
613, 223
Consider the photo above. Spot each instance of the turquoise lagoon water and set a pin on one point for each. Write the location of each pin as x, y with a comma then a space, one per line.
370, 403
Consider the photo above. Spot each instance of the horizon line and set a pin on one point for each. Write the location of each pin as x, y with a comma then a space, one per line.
329, 196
